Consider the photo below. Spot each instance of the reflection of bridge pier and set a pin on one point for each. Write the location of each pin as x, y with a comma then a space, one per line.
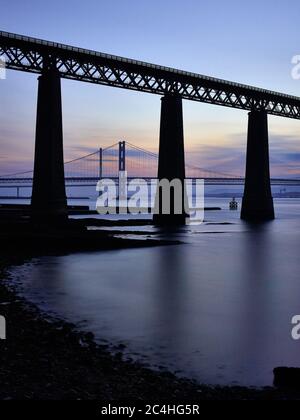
48, 193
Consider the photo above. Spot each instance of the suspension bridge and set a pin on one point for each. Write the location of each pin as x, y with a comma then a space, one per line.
138, 162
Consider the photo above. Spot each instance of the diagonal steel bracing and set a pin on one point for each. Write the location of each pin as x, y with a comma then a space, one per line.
33, 55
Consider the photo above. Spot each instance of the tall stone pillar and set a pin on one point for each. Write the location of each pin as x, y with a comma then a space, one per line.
171, 164
48, 202
257, 200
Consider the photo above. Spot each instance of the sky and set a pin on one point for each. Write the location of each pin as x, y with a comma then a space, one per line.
248, 42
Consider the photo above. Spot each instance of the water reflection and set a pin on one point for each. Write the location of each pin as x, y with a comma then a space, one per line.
216, 308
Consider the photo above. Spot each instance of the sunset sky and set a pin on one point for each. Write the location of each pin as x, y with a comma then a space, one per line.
249, 42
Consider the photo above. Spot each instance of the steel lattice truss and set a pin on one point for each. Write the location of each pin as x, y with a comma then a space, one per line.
34, 55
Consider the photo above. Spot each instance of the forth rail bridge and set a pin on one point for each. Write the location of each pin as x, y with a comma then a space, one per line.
53, 61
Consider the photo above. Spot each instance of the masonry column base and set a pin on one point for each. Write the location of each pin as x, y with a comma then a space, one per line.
251, 210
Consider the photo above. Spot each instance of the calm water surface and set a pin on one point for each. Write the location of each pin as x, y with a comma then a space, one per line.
216, 308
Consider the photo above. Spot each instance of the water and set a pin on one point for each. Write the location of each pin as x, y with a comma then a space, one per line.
217, 308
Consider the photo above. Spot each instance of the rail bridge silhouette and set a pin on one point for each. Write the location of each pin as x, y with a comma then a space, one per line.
53, 61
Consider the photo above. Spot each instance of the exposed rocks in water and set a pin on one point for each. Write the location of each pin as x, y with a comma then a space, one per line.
287, 378
22, 236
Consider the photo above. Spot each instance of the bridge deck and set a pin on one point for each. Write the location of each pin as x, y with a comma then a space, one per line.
33, 55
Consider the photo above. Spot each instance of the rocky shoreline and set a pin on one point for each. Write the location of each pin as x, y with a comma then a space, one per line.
48, 359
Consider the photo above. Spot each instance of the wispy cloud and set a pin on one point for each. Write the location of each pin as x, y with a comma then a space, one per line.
230, 156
